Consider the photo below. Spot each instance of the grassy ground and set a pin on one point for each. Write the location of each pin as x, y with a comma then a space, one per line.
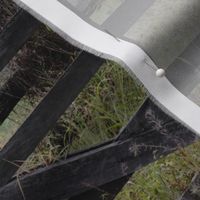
165, 179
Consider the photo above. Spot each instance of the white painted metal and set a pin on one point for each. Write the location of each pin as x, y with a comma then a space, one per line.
89, 37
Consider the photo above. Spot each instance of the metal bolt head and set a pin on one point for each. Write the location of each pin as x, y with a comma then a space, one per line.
160, 73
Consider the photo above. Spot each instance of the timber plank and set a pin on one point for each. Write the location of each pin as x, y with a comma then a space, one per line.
154, 134
125, 133
15, 34
10, 94
104, 192
44, 117
111, 189
193, 192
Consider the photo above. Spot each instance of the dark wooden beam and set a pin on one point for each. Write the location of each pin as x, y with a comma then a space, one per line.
15, 34
137, 123
44, 117
104, 192
10, 94
112, 188
193, 191
152, 134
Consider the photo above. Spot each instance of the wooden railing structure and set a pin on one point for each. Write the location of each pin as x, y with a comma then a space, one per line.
92, 173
